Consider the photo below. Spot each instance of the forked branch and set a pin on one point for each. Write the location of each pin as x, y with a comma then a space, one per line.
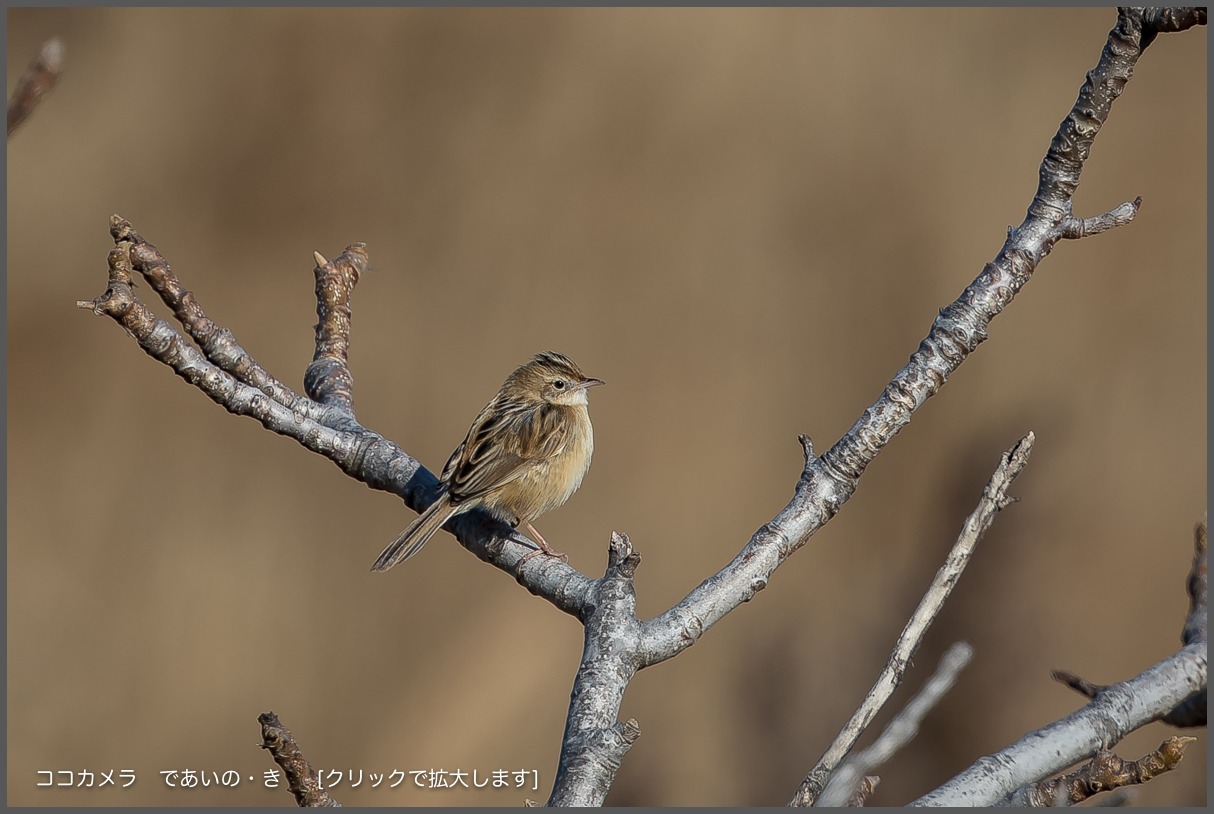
323, 420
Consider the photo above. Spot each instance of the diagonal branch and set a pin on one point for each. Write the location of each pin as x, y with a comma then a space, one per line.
41, 75
324, 421
994, 498
829, 481
901, 730
228, 375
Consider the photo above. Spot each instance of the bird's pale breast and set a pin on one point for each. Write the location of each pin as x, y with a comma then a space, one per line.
548, 484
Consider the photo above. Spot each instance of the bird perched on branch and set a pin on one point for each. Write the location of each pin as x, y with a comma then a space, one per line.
525, 454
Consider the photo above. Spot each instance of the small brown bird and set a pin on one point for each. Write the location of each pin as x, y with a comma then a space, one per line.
525, 454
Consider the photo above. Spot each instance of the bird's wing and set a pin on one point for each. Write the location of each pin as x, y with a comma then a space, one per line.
501, 446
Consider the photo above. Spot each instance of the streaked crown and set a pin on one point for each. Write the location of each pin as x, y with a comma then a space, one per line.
551, 377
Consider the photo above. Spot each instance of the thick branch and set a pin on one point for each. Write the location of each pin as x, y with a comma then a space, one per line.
829, 481
328, 379
302, 779
595, 741
994, 498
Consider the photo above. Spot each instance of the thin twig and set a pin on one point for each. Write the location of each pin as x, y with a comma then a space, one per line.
900, 731
41, 75
994, 497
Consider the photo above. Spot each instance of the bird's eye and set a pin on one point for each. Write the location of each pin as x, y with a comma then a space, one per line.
559, 384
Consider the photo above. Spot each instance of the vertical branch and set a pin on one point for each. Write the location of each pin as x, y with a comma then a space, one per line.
302, 779
327, 379
595, 741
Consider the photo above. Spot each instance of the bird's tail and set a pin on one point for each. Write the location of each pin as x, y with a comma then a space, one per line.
411, 540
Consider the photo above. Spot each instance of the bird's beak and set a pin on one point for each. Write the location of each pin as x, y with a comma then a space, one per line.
590, 383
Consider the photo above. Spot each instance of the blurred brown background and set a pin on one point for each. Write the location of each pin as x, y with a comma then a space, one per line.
744, 221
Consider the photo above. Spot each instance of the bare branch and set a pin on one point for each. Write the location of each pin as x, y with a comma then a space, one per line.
1164, 20
994, 497
1104, 721
1075, 228
328, 379
1078, 683
302, 779
1118, 710
217, 344
41, 75
617, 644
827, 482
1105, 772
1193, 711
1174, 690
595, 742
228, 375
901, 730
218, 381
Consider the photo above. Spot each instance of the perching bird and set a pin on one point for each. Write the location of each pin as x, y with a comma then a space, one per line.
525, 454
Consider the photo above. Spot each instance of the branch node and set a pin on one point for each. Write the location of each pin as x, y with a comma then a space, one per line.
807, 445
621, 556
630, 730
1077, 683
1073, 228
